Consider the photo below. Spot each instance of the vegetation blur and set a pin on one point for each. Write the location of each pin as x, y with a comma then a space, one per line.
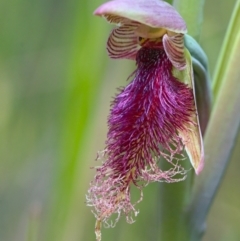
56, 85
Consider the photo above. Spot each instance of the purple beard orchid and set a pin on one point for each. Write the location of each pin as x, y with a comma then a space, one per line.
152, 118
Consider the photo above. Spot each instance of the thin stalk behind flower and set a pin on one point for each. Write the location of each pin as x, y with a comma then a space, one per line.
230, 40
221, 132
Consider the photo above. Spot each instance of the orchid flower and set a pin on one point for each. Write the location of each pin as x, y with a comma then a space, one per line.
154, 118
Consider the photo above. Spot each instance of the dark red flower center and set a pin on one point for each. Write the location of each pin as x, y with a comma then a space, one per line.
147, 114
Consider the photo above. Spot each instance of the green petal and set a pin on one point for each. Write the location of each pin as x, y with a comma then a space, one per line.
191, 136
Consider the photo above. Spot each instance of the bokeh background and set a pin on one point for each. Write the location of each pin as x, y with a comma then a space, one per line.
56, 84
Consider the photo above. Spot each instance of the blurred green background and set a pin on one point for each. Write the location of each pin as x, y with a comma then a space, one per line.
56, 84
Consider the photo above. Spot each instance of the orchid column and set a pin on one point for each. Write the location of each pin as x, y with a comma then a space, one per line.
154, 116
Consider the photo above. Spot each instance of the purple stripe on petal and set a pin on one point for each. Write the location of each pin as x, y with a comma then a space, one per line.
115, 19
123, 42
174, 47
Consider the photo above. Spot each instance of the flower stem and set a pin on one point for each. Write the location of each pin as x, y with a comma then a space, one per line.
173, 199
221, 132
231, 36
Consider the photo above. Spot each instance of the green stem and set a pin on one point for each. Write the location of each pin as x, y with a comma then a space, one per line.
203, 93
34, 221
173, 197
221, 132
223, 59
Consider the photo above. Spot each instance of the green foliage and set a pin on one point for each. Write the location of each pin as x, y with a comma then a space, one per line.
192, 12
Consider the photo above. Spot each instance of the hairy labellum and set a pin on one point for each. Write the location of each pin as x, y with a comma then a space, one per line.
144, 124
